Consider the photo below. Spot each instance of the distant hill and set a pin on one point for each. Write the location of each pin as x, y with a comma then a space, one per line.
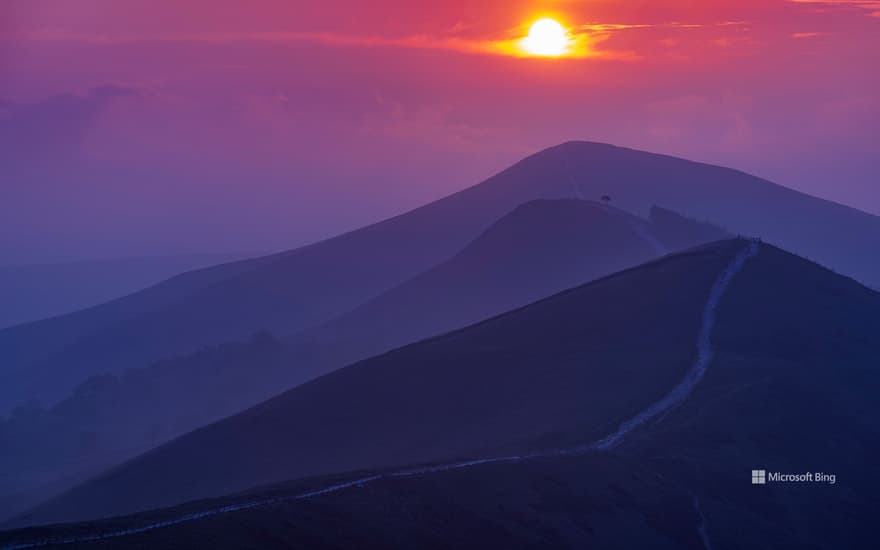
33, 292
303, 288
790, 387
32, 344
284, 293
539, 249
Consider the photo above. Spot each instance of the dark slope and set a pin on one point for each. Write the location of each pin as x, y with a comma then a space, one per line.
793, 389
790, 389
596, 501
308, 286
541, 248
556, 372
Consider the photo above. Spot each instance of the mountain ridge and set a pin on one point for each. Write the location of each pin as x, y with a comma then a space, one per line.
765, 401
519, 424
538, 249
293, 290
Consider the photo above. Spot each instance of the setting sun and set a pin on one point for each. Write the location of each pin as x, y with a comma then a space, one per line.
547, 38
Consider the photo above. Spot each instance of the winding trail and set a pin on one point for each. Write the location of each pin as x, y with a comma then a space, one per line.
704, 356
671, 400
702, 527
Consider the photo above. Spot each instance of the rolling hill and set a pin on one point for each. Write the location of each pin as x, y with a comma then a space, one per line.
789, 382
555, 373
557, 244
32, 344
303, 288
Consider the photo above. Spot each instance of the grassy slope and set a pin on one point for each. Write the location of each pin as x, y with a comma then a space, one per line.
791, 389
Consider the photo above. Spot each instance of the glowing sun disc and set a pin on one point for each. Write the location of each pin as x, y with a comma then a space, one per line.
546, 37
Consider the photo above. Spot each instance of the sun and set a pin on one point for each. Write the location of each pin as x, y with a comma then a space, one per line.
547, 38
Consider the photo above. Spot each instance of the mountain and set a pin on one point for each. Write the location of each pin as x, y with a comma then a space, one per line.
556, 372
295, 290
539, 249
40, 291
32, 344
831, 234
284, 293
626, 412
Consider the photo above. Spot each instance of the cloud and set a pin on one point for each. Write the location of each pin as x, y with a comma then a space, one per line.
438, 126
802, 35
715, 124
508, 44
584, 39
47, 132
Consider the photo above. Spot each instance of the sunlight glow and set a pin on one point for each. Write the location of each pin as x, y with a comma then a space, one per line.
547, 38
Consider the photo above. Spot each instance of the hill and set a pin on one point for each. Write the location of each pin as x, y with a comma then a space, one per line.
788, 386
555, 373
292, 291
111, 417
29, 345
831, 234
32, 292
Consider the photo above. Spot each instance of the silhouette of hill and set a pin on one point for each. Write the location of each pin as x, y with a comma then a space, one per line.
32, 344
292, 291
789, 386
539, 249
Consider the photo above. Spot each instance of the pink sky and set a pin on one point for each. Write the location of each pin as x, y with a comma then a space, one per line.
152, 127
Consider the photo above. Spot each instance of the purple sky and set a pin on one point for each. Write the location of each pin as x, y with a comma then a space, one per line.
159, 127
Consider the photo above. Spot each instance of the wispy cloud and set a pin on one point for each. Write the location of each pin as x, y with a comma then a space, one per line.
803, 35
871, 6
584, 39
509, 44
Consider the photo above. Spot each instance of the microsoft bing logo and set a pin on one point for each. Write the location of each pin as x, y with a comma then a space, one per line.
759, 477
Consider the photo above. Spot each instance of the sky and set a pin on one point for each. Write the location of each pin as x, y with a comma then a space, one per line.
152, 127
